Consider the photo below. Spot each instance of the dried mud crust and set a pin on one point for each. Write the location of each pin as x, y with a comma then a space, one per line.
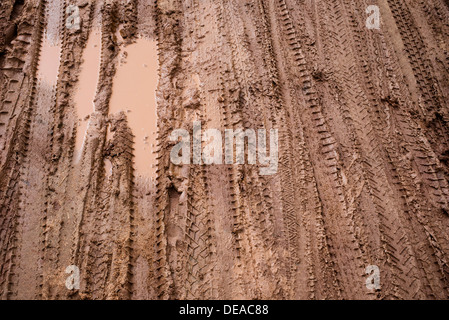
363, 144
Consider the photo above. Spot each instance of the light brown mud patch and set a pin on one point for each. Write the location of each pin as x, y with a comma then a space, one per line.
87, 87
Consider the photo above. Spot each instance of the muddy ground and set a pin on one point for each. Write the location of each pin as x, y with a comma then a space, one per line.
86, 178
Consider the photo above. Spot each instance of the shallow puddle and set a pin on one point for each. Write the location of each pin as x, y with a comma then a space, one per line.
108, 168
49, 61
87, 87
134, 92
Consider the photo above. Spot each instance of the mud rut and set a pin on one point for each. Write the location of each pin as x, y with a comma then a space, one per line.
364, 152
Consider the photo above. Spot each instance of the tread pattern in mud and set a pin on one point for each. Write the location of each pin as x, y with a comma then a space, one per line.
363, 153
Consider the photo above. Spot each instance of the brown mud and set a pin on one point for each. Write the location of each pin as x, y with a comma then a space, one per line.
86, 178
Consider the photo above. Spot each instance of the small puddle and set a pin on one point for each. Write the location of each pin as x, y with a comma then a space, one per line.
49, 62
134, 92
87, 87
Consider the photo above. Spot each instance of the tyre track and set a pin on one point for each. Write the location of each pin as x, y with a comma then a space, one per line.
15, 138
168, 30
35, 171
431, 106
107, 266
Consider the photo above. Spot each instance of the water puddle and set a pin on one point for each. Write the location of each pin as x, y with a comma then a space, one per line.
87, 87
49, 62
54, 11
108, 168
134, 92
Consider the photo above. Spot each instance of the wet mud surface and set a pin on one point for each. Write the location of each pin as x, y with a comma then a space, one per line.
86, 178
